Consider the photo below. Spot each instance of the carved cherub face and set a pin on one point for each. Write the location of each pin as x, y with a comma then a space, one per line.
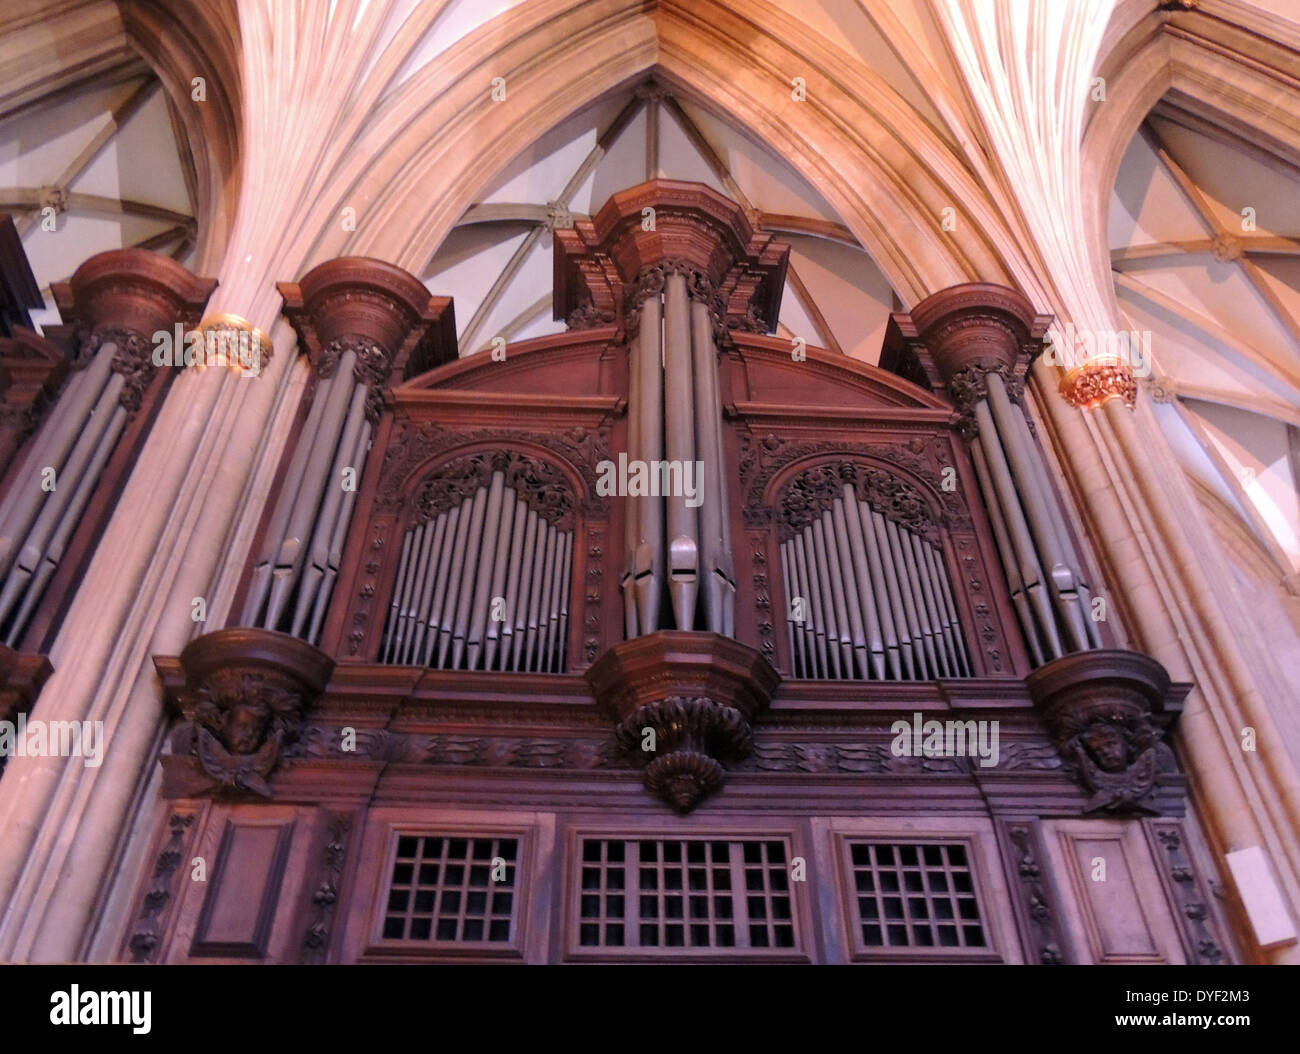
245, 726
1108, 746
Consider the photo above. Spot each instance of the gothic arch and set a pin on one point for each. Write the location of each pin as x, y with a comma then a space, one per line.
865, 150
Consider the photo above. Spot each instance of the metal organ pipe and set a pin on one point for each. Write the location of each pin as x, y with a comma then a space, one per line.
1051, 547
50, 449
650, 517
715, 521
679, 441
317, 552
1018, 530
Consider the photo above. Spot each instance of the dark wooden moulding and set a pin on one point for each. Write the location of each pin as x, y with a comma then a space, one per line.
336, 730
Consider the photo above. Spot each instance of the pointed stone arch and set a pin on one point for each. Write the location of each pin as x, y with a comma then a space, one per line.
873, 158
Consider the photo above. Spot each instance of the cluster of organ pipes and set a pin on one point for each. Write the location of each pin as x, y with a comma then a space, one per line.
483, 586
298, 563
869, 599
1051, 599
42, 510
674, 414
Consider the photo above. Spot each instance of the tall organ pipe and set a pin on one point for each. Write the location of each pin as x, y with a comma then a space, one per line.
649, 552
632, 510
1063, 580
679, 436
715, 523
50, 450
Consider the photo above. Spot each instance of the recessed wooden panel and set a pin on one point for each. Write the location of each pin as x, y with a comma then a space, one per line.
1119, 914
240, 905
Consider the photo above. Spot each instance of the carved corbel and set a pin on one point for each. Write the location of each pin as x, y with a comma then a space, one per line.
683, 703
1107, 712
242, 694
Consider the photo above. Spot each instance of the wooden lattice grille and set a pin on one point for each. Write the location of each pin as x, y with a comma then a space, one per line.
448, 889
915, 895
686, 894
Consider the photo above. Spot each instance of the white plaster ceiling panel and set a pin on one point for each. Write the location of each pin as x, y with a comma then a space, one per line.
845, 24
458, 19
124, 177
1255, 449
1222, 303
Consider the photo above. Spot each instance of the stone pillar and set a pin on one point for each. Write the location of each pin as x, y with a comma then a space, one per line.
974, 343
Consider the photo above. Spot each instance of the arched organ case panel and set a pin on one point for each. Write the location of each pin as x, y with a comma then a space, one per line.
869, 552
484, 579
864, 564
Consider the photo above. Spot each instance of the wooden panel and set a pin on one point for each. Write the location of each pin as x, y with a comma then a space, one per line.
240, 906
1114, 904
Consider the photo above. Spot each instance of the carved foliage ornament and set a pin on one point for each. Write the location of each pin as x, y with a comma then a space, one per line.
374, 365
805, 497
132, 360
540, 484
970, 385
1088, 386
415, 443
761, 459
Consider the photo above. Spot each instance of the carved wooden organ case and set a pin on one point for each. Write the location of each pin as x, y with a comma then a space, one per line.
506, 615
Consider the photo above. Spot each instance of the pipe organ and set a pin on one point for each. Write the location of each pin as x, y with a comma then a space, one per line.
677, 547
361, 321
498, 654
980, 363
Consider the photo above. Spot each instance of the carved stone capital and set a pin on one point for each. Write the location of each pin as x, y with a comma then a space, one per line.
1107, 712
1091, 384
243, 694
683, 703
381, 312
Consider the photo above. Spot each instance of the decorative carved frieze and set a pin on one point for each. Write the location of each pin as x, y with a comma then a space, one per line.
413, 444
1107, 711
1189, 895
1034, 903
804, 497
242, 693
762, 459
325, 897
542, 486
